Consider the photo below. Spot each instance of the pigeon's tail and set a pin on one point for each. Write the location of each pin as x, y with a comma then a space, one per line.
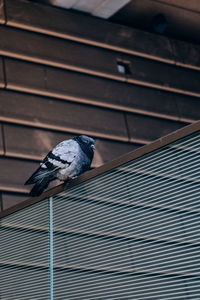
39, 187
38, 175
41, 178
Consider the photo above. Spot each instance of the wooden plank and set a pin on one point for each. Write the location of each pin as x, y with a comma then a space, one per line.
33, 143
188, 107
1, 141
2, 80
2, 14
58, 52
101, 62
62, 115
11, 199
38, 17
108, 150
56, 82
186, 54
149, 128
191, 5
75, 118
73, 86
164, 76
16, 172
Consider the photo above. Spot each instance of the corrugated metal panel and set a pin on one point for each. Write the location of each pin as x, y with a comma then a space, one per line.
132, 232
24, 272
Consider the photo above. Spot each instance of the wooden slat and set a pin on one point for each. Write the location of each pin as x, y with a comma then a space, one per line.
84, 88
188, 108
165, 76
33, 143
37, 17
108, 150
149, 128
11, 199
15, 173
1, 141
2, 82
96, 61
2, 15
76, 118
62, 115
59, 83
40, 112
58, 52
186, 54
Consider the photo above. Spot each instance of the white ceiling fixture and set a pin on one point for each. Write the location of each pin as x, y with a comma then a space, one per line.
99, 8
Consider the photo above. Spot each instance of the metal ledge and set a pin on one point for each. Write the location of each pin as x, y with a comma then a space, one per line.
163, 141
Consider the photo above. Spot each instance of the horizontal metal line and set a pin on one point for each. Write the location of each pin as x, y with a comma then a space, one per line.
133, 203
128, 236
156, 232
26, 226
189, 173
167, 159
102, 234
162, 175
138, 180
23, 264
124, 270
98, 269
125, 285
186, 148
126, 200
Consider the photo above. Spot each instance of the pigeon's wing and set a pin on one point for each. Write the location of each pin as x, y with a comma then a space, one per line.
60, 157
64, 153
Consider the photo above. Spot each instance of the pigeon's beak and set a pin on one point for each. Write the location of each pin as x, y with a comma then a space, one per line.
93, 147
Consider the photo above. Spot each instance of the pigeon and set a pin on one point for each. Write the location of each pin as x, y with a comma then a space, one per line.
159, 24
67, 160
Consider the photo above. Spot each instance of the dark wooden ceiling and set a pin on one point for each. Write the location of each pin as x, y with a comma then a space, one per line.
182, 17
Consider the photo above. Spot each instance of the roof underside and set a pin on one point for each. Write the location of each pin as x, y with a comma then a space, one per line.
182, 16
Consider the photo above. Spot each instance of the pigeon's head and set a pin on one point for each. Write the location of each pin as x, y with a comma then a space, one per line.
86, 140
87, 145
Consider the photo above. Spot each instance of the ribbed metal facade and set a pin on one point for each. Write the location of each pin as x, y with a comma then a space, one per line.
132, 232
